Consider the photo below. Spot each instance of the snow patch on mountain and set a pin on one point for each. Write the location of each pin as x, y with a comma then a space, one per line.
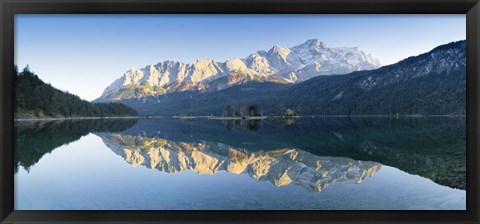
279, 64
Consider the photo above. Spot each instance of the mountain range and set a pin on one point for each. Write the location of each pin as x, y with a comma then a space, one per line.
433, 83
277, 65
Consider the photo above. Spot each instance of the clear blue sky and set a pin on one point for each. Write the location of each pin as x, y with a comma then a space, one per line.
83, 54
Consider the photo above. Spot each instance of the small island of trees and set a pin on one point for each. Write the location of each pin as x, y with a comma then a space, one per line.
254, 111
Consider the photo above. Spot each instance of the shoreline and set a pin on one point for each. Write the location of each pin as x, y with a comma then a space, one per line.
71, 118
228, 118
307, 116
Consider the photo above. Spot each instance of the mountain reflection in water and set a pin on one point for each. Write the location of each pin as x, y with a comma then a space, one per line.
432, 147
281, 167
311, 152
322, 163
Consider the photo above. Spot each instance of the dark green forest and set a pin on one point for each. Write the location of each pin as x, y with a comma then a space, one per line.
37, 99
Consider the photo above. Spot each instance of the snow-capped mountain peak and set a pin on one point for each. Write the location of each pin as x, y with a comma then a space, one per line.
279, 64
312, 43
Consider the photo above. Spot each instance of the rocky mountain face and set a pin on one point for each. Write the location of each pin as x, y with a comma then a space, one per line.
281, 167
279, 65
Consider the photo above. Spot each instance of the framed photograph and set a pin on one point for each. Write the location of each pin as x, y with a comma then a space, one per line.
230, 111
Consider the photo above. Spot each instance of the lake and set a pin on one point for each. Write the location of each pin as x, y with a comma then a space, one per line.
321, 163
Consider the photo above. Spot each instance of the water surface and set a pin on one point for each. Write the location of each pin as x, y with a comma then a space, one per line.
309, 163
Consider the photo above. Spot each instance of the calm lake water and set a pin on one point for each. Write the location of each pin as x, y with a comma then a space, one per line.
326, 163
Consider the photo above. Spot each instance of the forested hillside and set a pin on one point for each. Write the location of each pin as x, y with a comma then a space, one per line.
36, 99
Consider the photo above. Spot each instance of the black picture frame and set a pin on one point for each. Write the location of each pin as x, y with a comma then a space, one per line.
10, 7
